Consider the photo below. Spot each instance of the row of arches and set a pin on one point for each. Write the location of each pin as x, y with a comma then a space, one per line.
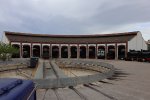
73, 52
56, 53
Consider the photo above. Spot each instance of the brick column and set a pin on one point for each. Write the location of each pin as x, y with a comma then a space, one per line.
116, 51
21, 50
69, 54
106, 50
87, 51
41, 51
78, 51
50, 51
31, 52
59, 50
96, 51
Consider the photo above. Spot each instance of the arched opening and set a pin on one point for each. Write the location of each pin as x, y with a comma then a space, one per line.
101, 52
55, 52
26, 51
45, 52
16, 55
36, 51
82, 52
64, 52
92, 52
73, 52
121, 52
111, 52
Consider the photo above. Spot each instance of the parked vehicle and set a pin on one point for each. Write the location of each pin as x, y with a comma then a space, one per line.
101, 54
143, 55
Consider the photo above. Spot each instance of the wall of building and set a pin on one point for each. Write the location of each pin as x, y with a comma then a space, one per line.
148, 46
5, 39
137, 43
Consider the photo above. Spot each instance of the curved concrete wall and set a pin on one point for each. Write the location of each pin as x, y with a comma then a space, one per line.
73, 81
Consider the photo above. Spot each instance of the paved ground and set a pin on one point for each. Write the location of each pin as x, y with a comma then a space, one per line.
78, 72
131, 82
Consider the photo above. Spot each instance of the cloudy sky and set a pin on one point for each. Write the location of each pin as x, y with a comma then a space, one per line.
75, 16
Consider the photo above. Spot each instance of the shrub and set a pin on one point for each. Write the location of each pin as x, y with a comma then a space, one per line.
6, 51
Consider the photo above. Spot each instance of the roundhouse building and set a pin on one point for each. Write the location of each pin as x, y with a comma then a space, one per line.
148, 44
99, 46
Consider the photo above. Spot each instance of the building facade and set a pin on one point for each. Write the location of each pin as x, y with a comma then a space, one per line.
148, 44
100, 46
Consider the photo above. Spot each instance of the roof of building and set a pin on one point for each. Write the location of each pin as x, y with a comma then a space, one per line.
47, 38
148, 42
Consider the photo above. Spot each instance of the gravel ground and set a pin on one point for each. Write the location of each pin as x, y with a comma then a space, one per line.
16, 73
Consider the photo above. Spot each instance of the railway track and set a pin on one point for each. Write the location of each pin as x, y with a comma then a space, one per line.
44, 94
79, 93
106, 95
24, 74
57, 94
54, 70
48, 70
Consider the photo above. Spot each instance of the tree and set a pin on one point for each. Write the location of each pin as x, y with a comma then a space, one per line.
6, 51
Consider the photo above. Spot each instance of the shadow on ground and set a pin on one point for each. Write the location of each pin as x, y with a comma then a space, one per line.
119, 75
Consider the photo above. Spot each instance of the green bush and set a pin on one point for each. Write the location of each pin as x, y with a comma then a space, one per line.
6, 51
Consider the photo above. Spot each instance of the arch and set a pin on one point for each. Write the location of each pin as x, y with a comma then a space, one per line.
55, 52
92, 50
45, 52
64, 52
121, 52
101, 52
82, 52
36, 51
111, 52
73, 50
16, 55
26, 51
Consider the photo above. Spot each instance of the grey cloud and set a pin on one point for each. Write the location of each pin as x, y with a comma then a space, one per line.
125, 14
71, 16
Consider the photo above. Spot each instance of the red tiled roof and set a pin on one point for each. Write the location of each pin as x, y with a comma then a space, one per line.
46, 38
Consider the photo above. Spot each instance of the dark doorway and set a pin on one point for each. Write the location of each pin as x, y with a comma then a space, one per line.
26, 51
101, 52
82, 52
46, 52
73, 52
16, 55
36, 51
64, 52
91, 52
111, 52
55, 52
121, 52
